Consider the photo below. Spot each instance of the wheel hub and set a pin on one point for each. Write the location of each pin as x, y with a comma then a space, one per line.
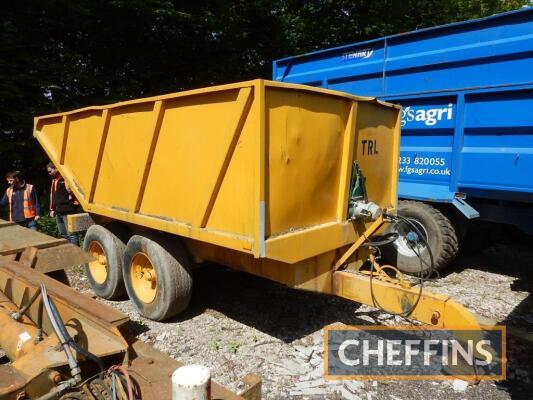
143, 278
409, 242
412, 237
97, 267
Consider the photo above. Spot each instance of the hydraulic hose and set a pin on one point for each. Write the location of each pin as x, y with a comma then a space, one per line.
384, 240
56, 391
72, 342
388, 239
74, 369
401, 314
18, 314
40, 320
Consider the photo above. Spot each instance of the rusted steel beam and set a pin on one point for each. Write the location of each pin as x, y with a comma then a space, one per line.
37, 250
153, 370
97, 327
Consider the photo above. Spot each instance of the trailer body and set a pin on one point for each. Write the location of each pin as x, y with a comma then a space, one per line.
467, 95
258, 167
261, 176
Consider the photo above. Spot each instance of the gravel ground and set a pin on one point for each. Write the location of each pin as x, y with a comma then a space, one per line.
239, 324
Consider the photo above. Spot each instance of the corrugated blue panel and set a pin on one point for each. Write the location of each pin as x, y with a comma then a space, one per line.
467, 96
473, 55
370, 85
465, 75
427, 140
457, 56
356, 63
497, 151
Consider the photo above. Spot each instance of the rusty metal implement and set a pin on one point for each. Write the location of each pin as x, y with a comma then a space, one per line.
37, 250
36, 366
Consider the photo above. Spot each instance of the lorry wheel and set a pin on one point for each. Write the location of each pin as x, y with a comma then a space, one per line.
106, 245
157, 276
438, 232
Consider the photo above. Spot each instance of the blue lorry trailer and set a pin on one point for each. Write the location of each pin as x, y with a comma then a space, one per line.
467, 122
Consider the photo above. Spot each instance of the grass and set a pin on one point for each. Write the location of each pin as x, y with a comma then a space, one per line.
233, 347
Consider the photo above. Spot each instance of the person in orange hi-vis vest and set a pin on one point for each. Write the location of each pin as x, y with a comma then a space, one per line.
62, 203
22, 199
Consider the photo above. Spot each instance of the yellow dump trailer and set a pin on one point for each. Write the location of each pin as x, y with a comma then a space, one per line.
282, 181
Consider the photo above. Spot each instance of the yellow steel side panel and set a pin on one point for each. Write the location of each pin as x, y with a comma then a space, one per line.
394, 168
346, 162
377, 151
259, 167
51, 135
194, 138
274, 270
83, 141
219, 238
235, 205
128, 141
260, 179
315, 274
304, 144
301, 244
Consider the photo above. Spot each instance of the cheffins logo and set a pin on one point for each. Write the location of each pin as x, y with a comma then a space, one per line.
428, 116
359, 53
414, 352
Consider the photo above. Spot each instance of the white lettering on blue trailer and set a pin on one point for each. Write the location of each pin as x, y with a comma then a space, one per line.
359, 53
427, 116
432, 165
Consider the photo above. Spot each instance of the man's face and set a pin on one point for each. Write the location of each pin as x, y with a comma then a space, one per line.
52, 172
14, 182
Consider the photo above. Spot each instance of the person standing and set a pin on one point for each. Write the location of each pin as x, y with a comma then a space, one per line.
62, 203
21, 197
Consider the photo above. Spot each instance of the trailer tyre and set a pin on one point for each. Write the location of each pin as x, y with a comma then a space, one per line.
106, 245
437, 230
157, 275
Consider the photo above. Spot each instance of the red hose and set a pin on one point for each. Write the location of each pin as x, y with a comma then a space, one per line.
124, 372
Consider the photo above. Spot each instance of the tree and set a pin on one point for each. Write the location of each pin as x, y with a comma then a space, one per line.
57, 55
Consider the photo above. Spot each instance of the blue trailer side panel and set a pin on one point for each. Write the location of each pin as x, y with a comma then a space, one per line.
467, 96
498, 139
469, 54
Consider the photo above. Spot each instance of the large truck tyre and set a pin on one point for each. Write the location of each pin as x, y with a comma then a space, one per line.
106, 245
157, 275
437, 231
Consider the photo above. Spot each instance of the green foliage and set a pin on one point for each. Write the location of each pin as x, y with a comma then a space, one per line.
48, 226
57, 55
233, 347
